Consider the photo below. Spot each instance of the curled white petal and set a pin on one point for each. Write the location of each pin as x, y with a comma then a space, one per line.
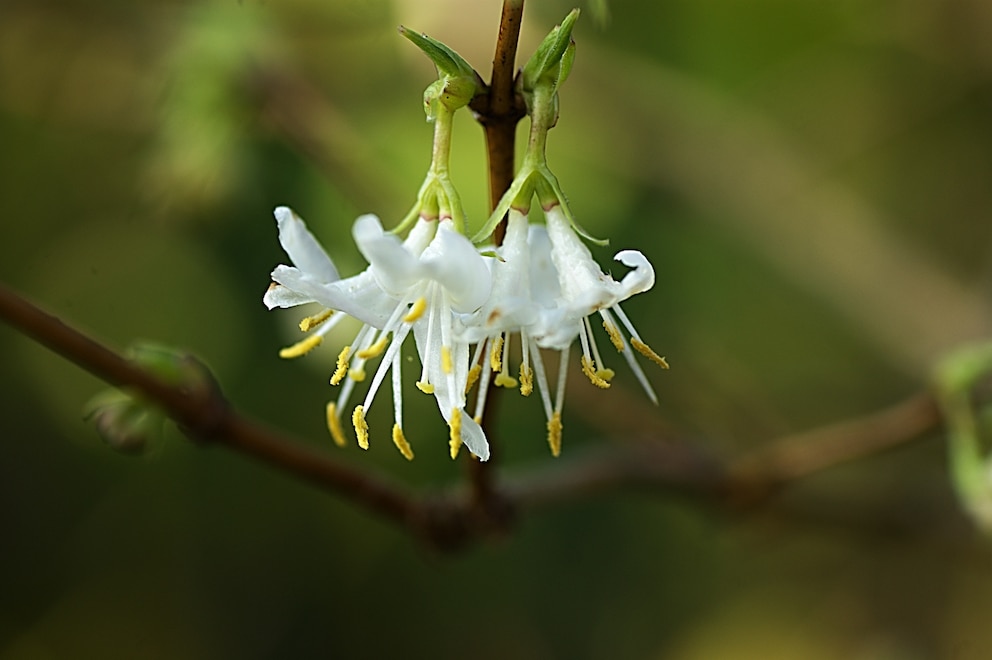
641, 278
302, 248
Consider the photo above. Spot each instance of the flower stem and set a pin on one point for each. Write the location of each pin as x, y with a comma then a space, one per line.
500, 109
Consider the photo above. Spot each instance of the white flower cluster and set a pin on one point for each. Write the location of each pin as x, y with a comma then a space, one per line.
463, 306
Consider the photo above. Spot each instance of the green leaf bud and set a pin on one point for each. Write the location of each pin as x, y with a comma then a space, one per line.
457, 84
125, 423
552, 61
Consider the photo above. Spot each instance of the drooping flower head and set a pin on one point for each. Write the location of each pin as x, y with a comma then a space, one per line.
566, 286
416, 284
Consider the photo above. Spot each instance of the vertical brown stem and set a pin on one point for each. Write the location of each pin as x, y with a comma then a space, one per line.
499, 111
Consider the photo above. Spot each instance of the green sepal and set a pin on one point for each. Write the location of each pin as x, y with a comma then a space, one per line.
549, 192
518, 195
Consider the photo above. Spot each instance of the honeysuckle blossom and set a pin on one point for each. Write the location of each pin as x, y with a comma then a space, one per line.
525, 289
448, 277
416, 284
465, 308
586, 290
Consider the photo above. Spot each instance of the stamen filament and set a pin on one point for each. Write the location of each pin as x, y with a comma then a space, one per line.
632, 362
562, 379
542, 378
602, 371
424, 384
483, 392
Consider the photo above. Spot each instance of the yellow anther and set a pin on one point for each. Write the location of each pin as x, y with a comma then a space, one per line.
311, 322
526, 379
400, 441
446, 360
614, 334
425, 387
496, 356
334, 425
504, 379
554, 434
416, 311
473, 377
301, 347
361, 427
341, 370
606, 374
646, 351
357, 374
589, 369
376, 349
455, 442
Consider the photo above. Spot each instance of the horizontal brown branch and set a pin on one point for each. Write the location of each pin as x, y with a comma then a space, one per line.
450, 519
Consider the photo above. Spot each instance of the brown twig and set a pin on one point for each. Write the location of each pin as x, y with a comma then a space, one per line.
744, 481
452, 519
206, 417
499, 111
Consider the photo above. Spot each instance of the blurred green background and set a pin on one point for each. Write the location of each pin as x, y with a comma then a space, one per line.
810, 180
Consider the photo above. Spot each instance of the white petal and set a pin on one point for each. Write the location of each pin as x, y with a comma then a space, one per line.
638, 280
301, 246
420, 236
453, 261
474, 437
279, 296
544, 285
358, 296
556, 328
583, 284
394, 266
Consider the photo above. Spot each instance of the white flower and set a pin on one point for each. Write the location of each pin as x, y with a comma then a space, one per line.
586, 290
415, 284
525, 290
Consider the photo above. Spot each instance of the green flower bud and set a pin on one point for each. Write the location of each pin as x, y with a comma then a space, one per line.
457, 83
